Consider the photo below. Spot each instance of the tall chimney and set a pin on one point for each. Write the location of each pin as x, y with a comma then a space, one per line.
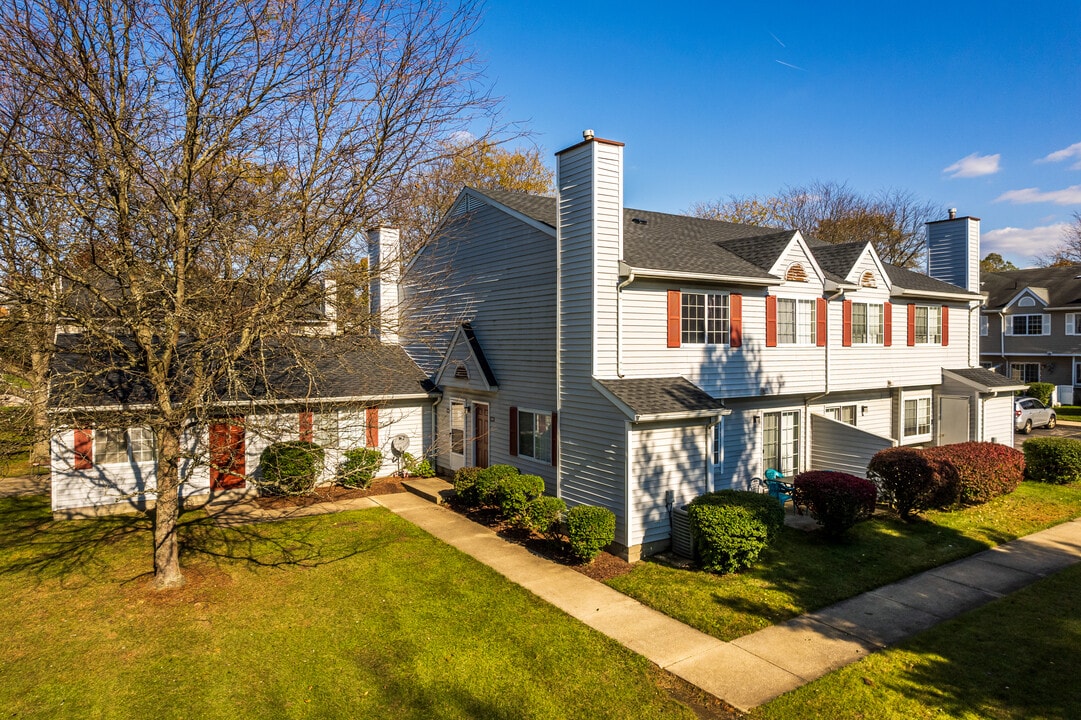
384, 268
953, 250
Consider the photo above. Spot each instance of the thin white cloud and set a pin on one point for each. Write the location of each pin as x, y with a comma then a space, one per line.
974, 165
1074, 151
1022, 245
794, 67
1026, 196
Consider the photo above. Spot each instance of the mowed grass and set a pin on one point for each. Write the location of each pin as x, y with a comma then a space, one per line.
1016, 658
356, 615
1068, 412
803, 571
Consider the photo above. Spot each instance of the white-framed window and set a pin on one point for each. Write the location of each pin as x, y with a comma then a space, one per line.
867, 324
123, 445
325, 432
704, 319
1073, 323
928, 325
1025, 372
780, 442
718, 447
917, 417
985, 325
1027, 324
535, 435
796, 321
457, 427
842, 413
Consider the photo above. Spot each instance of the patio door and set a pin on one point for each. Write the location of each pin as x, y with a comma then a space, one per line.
227, 454
480, 434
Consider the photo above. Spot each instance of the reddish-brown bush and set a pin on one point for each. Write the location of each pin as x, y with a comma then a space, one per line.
985, 470
913, 481
836, 500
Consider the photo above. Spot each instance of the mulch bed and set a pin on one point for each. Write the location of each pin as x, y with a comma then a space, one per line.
331, 493
604, 567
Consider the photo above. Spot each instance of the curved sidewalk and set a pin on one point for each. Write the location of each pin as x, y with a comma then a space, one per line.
758, 667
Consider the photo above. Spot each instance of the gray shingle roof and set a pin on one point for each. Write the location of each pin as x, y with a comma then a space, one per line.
661, 396
987, 378
910, 280
837, 260
1062, 284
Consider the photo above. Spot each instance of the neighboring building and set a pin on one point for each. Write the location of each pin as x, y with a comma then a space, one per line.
1030, 327
637, 359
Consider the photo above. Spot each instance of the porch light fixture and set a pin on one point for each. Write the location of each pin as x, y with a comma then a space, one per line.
756, 418
863, 409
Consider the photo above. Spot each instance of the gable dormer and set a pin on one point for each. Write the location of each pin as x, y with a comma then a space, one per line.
464, 365
868, 275
796, 265
1025, 313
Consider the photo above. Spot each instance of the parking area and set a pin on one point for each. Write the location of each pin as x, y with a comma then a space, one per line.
1061, 430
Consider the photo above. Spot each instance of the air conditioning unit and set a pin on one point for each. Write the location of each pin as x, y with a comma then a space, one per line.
682, 540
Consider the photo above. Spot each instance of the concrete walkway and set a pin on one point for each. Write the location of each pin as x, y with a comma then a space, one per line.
758, 667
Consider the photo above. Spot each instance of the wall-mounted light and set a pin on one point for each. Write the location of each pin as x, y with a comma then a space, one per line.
863, 409
756, 417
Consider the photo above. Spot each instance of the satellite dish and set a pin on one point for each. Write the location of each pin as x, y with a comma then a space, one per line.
399, 444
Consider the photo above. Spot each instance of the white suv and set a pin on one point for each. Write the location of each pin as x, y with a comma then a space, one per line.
1029, 412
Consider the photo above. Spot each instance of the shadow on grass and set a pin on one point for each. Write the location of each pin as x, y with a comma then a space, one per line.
120, 546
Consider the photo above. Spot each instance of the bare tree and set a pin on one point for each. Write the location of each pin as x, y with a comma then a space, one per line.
1068, 251
209, 160
893, 220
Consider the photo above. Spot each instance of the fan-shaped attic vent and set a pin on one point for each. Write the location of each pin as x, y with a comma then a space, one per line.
460, 373
867, 280
796, 273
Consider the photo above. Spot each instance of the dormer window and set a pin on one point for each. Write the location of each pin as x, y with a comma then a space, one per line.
796, 273
867, 280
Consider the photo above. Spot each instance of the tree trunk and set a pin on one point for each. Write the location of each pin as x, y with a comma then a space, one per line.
39, 407
167, 510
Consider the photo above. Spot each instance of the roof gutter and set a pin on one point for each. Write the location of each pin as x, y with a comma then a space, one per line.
706, 277
934, 295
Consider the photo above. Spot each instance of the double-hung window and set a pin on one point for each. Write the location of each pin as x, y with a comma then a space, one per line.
780, 442
867, 324
325, 431
1027, 324
704, 319
120, 445
1025, 372
917, 420
796, 321
928, 325
535, 435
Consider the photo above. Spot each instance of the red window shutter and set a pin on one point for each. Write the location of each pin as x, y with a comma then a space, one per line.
911, 324
735, 317
371, 427
307, 425
887, 324
846, 323
945, 326
555, 438
673, 318
513, 424
821, 328
771, 321
84, 450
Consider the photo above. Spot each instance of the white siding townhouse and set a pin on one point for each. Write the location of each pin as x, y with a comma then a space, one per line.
636, 359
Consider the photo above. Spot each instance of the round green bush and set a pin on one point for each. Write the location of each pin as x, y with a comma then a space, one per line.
732, 527
358, 467
590, 530
465, 484
513, 492
912, 481
1053, 460
488, 480
836, 500
544, 515
1041, 391
290, 468
984, 470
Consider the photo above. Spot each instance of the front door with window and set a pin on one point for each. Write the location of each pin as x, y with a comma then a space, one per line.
480, 434
457, 434
227, 454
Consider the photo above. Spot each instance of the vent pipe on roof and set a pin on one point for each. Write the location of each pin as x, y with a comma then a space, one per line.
587, 134
953, 213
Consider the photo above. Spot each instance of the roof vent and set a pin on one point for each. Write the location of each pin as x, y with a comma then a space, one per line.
639, 221
587, 134
953, 213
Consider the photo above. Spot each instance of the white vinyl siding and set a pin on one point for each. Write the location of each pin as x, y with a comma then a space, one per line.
665, 457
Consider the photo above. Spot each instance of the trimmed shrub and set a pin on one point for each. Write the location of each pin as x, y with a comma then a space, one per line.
544, 515
1053, 460
358, 467
984, 470
1041, 391
732, 527
912, 481
513, 492
836, 500
589, 530
465, 485
488, 480
290, 468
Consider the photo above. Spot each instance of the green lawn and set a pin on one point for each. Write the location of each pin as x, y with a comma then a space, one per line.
352, 615
1015, 658
803, 571
1068, 412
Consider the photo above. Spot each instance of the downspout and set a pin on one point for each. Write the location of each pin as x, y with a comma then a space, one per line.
619, 314
1002, 341
435, 424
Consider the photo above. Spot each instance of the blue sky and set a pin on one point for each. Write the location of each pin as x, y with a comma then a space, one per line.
969, 105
